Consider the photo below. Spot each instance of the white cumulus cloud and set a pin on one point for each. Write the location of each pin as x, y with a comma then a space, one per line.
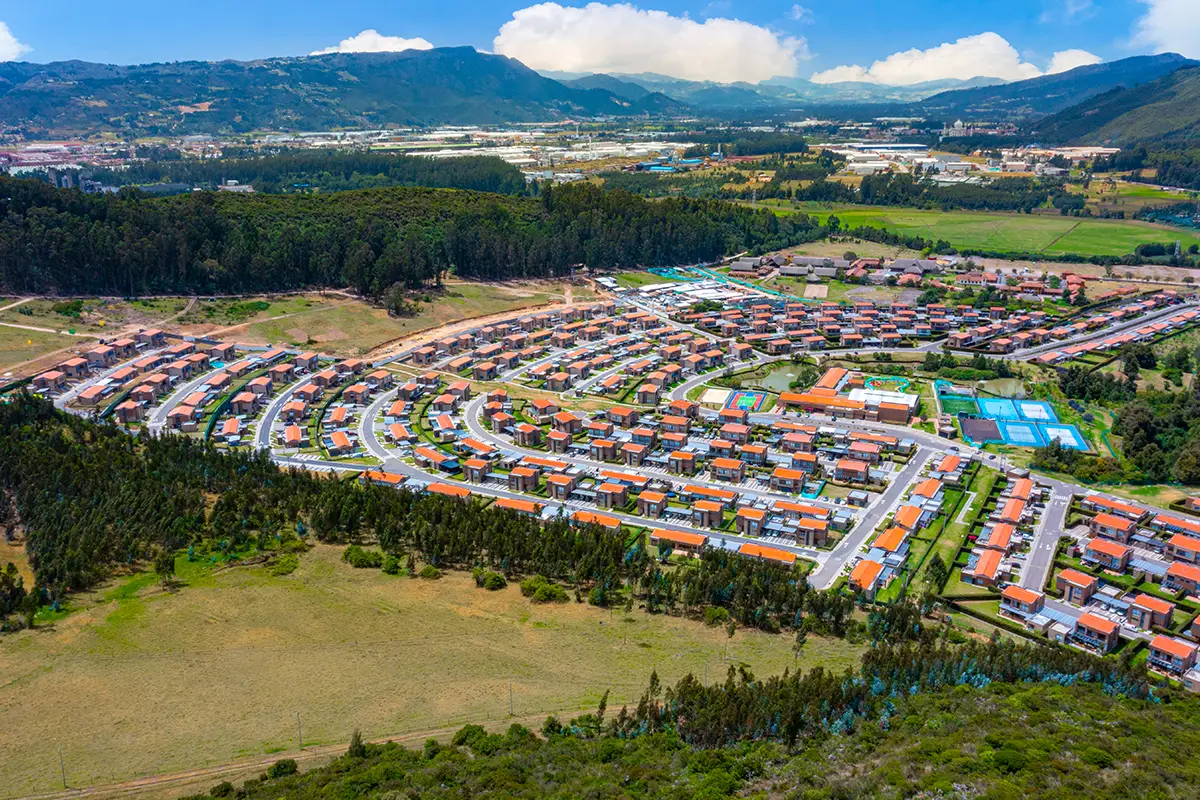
621, 37
983, 55
1170, 26
1070, 59
10, 48
372, 41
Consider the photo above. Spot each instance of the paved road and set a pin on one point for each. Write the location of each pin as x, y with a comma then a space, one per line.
1040, 558
158, 417
262, 436
827, 574
73, 392
481, 432
1103, 333
391, 463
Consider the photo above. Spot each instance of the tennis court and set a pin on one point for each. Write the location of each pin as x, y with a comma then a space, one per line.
998, 408
746, 401
1022, 434
1066, 435
1036, 411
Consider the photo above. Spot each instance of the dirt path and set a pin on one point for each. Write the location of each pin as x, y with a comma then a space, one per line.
198, 781
219, 333
14, 305
418, 338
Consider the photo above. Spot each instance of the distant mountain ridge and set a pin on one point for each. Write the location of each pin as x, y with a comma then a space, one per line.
1164, 110
453, 85
1050, 94
772, 93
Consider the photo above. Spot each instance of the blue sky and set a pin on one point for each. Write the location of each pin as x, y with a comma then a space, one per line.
1007, 38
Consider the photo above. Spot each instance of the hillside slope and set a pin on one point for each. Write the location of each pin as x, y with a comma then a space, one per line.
1049, 94
455, 85
1167, 109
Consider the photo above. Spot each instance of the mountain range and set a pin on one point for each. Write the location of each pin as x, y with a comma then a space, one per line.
1163, 110
461, 86
1050, 94
772, 93
454, 85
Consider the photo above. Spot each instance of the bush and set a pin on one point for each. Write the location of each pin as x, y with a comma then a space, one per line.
541, 590
1008, 759
285, 564
282, 768
1097, 757
550, 593
222, 789
430, 572
714, 616
486, 579
359, 558
391, 565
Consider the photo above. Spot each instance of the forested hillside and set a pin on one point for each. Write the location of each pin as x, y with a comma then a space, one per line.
1049, 94
326, 171
1164, 110
71, 243
445, 85
1028, 735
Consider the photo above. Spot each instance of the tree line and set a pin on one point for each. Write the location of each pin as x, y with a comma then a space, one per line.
327, 171
66, 242
92, 498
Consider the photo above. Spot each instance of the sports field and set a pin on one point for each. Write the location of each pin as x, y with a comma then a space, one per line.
143, 682
1049, 234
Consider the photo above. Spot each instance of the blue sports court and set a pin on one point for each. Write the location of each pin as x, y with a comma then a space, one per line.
1025, 423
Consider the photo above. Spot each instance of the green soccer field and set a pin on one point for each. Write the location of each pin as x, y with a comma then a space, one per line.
1051, 235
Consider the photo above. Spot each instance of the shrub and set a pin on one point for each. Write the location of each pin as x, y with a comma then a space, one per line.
1008, 759
282, 768
550, 593
1097, 757
430, 572
391, 565
494, 581
359, 558
222, 789
714, 616
285, 564
541, 590
529, 586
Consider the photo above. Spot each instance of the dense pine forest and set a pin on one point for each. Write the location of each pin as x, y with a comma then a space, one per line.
326, 171
66, 242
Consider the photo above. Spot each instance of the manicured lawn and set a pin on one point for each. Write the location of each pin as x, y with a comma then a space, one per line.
139, 681
637, 279
1050, 234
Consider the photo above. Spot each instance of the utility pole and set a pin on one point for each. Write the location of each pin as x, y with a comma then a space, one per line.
62, 767
299, 731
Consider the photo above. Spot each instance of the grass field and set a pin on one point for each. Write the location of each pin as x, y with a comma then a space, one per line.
1049, 234
348, 327
142, 681
18, 346
635, 280
92, 315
